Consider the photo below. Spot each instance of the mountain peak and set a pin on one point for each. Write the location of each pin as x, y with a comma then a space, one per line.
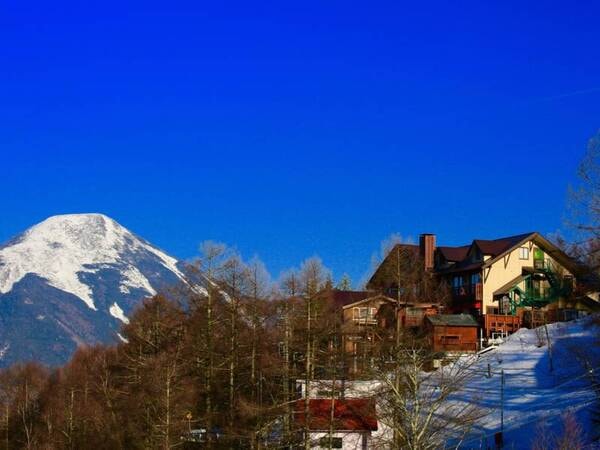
90, 224
63, 248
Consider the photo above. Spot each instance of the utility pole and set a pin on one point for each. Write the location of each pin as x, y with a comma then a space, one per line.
499, 437
501, 406
549, 347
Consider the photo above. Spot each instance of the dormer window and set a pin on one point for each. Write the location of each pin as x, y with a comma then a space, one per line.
523, 253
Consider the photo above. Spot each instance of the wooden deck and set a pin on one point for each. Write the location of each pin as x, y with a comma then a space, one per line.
501, 324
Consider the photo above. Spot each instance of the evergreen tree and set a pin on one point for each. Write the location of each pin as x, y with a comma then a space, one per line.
345, 283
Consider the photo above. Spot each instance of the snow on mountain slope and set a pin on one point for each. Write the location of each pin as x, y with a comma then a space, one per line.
62, 247
116, 311
74, 280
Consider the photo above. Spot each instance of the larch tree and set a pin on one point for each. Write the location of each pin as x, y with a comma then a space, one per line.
21, 387
155, 369
313, 277
258, 312
289, 291
234, 282
210, 265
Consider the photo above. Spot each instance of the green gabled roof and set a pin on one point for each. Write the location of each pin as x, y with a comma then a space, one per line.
453, 320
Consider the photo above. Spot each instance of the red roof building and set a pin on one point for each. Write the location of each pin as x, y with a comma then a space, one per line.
351, 414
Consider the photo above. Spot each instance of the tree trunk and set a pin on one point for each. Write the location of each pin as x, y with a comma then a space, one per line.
232, 361
209, 368
307, 375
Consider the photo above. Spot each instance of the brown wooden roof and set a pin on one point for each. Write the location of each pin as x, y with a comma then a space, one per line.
372, 297
498, 246
453, 320
495, 248
349, 414
339, 298
454, 254
463, 267
411, 250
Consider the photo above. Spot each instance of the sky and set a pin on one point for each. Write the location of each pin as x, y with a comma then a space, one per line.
289, 129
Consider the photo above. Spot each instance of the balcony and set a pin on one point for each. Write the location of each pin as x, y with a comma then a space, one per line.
364, 320
468, 292
364, 316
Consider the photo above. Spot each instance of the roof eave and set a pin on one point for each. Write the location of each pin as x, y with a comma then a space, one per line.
381, 296
491, 261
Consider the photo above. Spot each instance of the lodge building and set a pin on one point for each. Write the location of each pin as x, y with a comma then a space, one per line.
506, 283
491, 288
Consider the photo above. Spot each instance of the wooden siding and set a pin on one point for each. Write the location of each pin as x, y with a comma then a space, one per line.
446, 338
500, 323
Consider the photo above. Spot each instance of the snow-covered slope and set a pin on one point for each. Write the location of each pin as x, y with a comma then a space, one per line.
542, 383
72, 280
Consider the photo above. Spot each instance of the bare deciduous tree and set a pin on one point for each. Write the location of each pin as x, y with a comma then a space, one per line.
584, 211
569, 437
417, 403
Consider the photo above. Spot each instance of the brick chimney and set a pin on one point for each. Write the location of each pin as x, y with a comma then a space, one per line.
427, 248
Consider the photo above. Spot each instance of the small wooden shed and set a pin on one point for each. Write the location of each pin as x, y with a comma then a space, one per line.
453, 332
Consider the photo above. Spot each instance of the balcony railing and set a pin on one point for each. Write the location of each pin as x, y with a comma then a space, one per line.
501, 323
365, 320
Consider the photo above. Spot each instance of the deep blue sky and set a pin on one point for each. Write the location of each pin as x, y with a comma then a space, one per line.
289, 130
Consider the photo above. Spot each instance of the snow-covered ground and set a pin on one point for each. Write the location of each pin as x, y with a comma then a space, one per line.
542, 383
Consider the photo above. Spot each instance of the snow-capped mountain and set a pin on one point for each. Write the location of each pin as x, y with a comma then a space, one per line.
72, 280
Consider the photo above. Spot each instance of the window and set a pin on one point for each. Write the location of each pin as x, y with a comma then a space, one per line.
523, 253
450, 339
457, 282
336, 442
475, 278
